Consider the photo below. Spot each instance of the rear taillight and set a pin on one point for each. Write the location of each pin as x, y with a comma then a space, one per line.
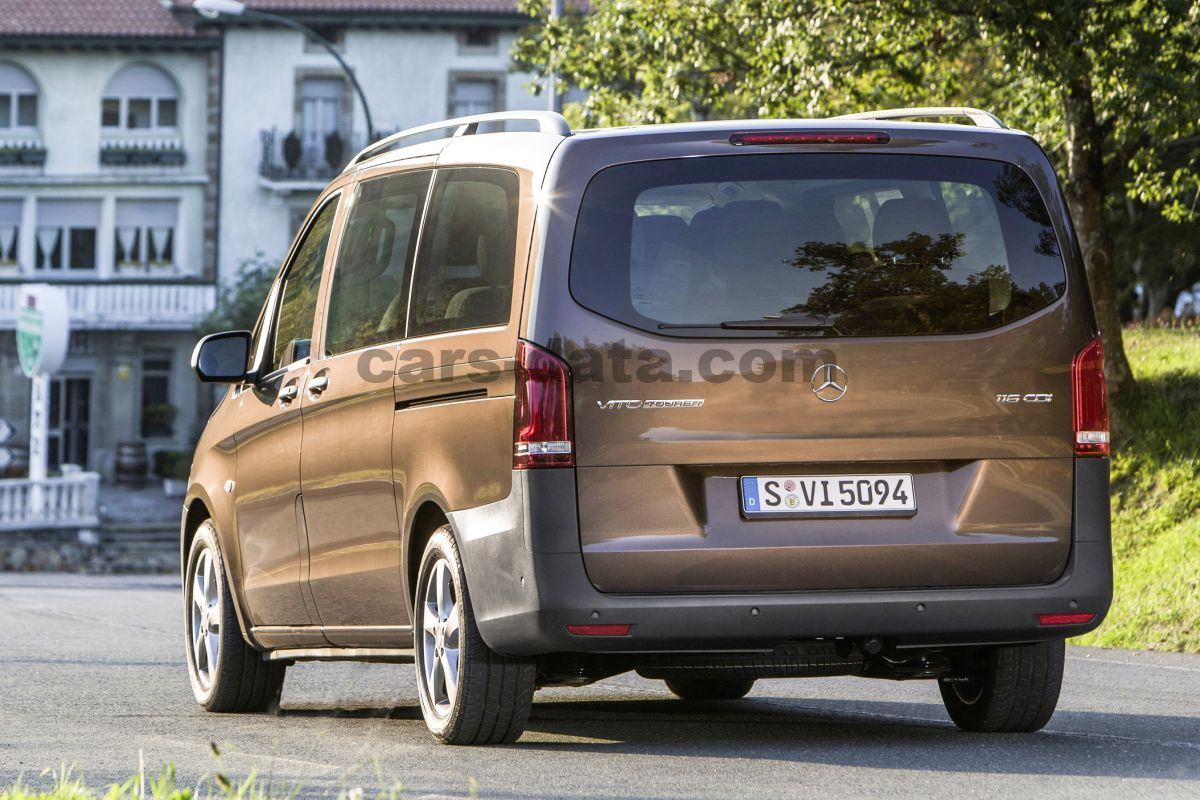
542, 434
1089, 398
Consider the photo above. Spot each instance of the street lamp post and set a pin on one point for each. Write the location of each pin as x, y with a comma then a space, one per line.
234, 8
556, 100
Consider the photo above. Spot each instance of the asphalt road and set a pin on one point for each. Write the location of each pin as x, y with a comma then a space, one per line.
91, 673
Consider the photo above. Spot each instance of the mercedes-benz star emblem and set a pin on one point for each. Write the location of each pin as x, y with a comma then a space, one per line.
829, 383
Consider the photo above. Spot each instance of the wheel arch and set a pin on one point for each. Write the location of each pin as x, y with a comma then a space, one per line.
429, 514
196, 510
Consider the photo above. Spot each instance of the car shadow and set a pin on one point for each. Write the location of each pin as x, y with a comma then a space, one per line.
874, 734
877, 734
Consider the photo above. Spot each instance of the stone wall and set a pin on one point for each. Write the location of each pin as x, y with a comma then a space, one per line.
88, 552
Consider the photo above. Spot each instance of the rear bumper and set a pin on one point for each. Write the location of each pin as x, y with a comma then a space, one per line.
527, 581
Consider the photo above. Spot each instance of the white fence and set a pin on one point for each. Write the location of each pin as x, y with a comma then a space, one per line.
71, 501
116, 306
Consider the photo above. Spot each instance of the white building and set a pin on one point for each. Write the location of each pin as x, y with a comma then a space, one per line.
108, 167
145, 152
417, 61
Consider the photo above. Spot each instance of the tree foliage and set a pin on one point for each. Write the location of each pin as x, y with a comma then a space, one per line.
240, 301
650, 61
1108, 87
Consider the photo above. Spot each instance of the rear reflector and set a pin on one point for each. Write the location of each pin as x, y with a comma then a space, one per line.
1065, 619
598, 630
1089, 401
542, 420
811, 137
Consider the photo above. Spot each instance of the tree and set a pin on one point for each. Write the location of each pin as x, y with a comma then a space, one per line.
239, 302
1109, 88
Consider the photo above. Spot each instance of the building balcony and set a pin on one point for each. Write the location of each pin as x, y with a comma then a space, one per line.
304, 160
142, 152
125, 305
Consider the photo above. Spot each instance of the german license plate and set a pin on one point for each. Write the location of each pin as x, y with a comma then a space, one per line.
828, 495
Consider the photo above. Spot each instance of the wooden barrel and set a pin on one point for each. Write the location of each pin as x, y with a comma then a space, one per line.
130, 468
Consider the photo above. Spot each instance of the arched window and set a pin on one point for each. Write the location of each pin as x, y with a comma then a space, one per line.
18, 98
140, 97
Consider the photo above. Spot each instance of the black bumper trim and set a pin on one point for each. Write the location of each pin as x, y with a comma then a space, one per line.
528, 585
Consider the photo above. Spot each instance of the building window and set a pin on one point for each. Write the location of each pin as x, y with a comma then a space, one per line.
323, 128
10, 231
473, 95
80, 344
477, 40
140, 97
18, 98
145, 234
158, 415
66, 235
331, 33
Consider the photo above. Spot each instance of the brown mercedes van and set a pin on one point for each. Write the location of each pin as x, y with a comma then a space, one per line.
712, 402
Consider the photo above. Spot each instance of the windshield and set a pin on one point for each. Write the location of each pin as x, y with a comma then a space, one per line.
845, 244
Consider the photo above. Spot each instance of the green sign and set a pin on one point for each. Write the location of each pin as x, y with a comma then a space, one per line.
43, 328
29, 339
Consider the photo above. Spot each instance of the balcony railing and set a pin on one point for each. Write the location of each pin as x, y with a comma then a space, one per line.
71, 501
22, 153
116, 305
306, 155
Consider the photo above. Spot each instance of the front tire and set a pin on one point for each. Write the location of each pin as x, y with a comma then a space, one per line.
226, 673
1006, 689
709, 688
469, 693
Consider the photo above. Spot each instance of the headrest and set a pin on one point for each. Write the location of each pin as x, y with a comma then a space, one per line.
901, 216
659, 226
370, 246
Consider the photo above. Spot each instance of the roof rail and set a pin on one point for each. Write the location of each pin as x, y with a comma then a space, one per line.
547, 122
981, 118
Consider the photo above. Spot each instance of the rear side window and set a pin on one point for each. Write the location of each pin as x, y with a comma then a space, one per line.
464, 273
863, 244
369, 297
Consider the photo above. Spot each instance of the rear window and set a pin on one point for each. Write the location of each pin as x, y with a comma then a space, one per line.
846, 244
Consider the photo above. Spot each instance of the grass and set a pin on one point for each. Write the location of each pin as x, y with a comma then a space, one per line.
1156, 499
66, 784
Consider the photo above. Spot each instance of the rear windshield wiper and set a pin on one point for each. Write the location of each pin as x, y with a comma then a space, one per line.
778, 323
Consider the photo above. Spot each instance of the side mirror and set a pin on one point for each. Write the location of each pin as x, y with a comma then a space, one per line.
222, 357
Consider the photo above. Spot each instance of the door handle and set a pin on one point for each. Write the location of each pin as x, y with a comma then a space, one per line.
318, 385
287, 394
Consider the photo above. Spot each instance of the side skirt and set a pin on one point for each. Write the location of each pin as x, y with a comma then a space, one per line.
385, 655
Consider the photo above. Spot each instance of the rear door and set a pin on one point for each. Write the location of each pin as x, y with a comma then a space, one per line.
874, 345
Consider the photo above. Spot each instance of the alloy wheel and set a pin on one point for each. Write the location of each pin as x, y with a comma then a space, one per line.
440, 641
205, 616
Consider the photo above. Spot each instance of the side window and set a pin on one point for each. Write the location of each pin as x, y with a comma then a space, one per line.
464, 273
301, 284
369, 299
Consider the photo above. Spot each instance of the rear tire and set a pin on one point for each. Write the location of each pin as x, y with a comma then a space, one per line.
1008, 689
227, 674
469, 693
709, 688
